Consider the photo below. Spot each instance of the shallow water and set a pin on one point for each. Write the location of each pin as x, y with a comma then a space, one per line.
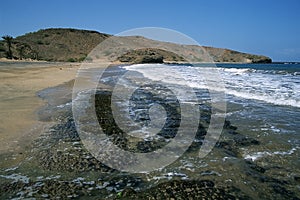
259, 159
263, 102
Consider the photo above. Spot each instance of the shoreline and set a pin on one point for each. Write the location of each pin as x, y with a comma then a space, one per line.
58, 164
129, 63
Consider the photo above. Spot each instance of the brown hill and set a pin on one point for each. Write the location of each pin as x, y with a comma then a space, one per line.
55, 44
72, 45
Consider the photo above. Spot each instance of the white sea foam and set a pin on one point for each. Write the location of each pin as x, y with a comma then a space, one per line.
169, 176
257, 155
64, 105
237, 71
16, 178
246, 83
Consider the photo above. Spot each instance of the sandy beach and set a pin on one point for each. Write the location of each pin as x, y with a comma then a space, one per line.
19, 124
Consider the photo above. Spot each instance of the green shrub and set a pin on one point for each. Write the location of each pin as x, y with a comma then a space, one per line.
71, 60
2, 48
81, 59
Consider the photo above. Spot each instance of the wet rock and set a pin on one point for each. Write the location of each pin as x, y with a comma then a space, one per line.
297, 178
234, 141
232, 132
145, 146
255, 167
242, 140
227, 125
229, 148
200, 189
120, 182
284, 193
8, 189
61, 149
128, 192
278, 181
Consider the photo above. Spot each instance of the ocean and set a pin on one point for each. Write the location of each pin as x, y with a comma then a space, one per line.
258, 155
263, 102
262, 99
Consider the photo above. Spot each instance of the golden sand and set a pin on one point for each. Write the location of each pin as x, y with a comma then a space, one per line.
19, 124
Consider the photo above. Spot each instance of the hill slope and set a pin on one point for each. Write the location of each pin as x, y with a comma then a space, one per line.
59, 44
55, 44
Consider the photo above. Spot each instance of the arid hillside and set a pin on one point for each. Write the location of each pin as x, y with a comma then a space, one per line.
72, 45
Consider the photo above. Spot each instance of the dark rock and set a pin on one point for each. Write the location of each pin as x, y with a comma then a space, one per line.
193, 189
145, 146
232, 132
297, 178
284, 193
255, 167
150, 59
149, 55
227, 125
127, 192
245, 141
228, 147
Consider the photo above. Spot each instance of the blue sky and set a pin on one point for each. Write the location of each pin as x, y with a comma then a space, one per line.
267, 27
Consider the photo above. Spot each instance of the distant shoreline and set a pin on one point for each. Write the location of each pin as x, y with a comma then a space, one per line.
4, 60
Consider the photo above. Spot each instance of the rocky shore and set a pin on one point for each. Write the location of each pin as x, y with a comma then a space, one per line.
58, 166
62, 168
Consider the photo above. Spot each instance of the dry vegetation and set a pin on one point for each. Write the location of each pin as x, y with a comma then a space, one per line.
72, 45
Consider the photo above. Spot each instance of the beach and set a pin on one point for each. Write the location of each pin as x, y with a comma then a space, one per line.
256, 155
19, 100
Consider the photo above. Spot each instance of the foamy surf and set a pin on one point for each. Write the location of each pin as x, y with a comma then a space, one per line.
257, 155
247, 83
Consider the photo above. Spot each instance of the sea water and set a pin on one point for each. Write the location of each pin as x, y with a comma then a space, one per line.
265, 96
263, 99
263, 102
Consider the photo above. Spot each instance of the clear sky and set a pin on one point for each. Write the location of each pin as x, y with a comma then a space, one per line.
268, 27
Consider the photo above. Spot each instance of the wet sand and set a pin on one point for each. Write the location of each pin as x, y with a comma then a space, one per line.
19, 124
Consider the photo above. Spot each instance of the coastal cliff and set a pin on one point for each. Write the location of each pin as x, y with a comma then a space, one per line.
72, 45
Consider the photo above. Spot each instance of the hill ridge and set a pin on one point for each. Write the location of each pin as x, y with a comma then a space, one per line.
74, 45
